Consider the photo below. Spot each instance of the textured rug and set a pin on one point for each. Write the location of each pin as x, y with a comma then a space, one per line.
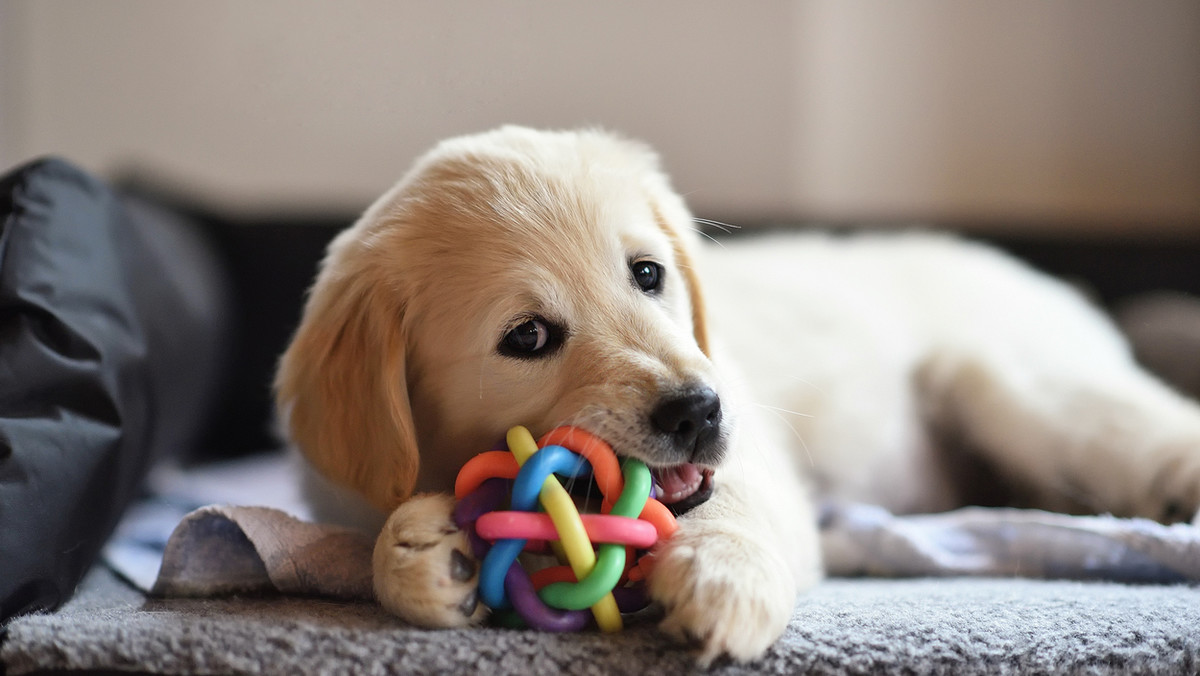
851, 625
845, 626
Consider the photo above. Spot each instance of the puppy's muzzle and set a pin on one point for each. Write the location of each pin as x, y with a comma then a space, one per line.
690, 422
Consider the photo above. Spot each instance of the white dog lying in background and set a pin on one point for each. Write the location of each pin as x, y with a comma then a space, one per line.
548, 278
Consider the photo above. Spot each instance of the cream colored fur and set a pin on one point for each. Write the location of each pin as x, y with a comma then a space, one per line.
857, 367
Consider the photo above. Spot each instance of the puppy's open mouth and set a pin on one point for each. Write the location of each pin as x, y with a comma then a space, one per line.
682, 487
679, 487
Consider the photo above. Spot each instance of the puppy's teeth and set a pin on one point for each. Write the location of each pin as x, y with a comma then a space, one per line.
686, 491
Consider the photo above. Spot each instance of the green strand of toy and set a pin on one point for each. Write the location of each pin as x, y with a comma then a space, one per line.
610, 558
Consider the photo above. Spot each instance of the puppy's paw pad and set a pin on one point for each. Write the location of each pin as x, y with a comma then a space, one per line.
423, 572
462, 567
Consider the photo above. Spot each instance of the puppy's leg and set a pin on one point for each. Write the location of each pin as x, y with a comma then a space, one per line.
1097, 434
728, 578
424, 571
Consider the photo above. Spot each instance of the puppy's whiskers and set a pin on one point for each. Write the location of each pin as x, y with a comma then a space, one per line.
709, 237
585, 421
782, 410
719, 225
802, 381
777, 413
588, 447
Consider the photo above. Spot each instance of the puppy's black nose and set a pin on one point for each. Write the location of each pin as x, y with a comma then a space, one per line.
689, 419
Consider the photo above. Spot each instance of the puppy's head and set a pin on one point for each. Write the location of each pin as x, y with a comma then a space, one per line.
513, 277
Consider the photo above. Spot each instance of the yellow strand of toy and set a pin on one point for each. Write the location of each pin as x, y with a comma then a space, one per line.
558, 504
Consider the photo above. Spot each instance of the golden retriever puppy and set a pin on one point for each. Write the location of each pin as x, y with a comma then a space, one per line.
549, 278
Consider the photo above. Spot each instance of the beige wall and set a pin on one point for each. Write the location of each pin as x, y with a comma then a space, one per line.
842, 109
1030, 109
283, 102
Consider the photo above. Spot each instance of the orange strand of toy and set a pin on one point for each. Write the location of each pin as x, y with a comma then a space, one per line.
488, 465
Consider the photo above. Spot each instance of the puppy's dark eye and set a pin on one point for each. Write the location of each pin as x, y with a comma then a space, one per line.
532, 338
648, 275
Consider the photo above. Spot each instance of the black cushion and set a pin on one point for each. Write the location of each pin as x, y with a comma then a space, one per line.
113, 328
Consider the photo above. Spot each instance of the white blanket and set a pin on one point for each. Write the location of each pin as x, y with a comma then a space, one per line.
220, 550
866, 540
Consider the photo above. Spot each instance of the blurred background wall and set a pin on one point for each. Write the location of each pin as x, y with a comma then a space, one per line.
1043, 115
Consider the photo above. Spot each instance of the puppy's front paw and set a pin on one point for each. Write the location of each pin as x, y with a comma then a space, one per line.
424, 572
1173, 495
728, 593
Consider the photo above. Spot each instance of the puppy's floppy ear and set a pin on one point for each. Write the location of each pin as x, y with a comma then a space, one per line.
674, 218
341, 384
686, 263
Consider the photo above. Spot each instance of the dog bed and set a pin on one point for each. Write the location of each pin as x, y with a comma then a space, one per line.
250, 590
969, 623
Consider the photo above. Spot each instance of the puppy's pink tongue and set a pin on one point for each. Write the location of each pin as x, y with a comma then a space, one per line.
677, 482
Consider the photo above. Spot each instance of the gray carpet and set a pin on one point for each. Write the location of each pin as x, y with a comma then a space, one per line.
950, 626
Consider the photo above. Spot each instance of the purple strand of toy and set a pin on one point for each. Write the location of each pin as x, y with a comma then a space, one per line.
488, 497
